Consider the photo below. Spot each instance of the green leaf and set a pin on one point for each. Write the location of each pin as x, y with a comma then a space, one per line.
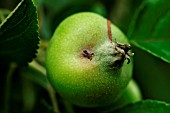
150, 26
19, 34
146, 106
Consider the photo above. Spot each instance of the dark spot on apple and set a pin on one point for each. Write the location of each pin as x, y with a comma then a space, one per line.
87, 54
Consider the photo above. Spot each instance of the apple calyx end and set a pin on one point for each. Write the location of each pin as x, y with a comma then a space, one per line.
122, 51
87, 54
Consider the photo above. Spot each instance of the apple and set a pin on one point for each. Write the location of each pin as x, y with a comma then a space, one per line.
86, 60
131, 94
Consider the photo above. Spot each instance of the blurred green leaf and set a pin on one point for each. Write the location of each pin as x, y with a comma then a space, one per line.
45, 29
3, 14
19, 34
99, 8
122, 12
57, 5
56, 11
146, 106
150, 26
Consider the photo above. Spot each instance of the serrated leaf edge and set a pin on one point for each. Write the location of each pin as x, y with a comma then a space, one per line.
6, 20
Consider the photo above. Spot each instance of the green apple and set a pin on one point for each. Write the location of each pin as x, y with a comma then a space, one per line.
131, 94
84, 65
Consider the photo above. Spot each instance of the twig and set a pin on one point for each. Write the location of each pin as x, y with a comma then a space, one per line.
50, 89
11, 70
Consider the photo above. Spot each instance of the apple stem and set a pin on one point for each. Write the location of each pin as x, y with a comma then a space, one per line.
122, 50
109, 30
125, 47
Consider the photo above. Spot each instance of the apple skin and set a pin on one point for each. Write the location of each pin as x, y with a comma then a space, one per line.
81, 81
131, 94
